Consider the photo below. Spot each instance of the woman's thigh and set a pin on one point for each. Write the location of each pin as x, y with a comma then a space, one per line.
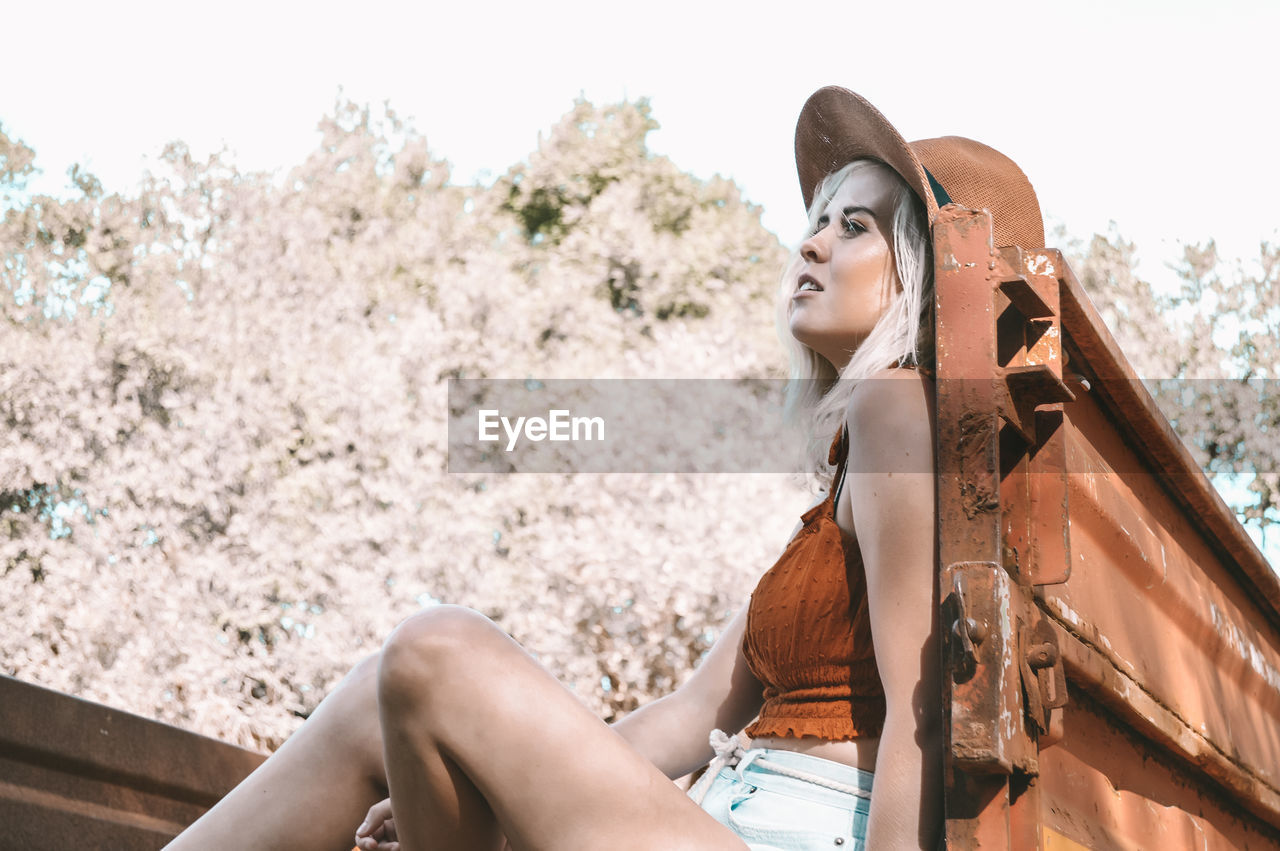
555, 776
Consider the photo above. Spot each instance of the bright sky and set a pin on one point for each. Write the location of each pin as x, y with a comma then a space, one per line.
1160, 116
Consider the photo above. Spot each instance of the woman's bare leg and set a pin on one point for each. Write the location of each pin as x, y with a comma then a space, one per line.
480, 741
313, 791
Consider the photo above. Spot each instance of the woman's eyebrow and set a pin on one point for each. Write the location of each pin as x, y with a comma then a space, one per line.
849, 211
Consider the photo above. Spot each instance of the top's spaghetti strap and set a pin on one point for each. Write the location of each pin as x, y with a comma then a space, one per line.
842, 464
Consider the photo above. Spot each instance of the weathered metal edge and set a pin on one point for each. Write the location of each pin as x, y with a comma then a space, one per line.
48, 728
1092, 668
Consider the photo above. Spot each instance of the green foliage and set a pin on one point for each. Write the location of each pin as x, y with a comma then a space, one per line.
587, 150
17, 162
224, 398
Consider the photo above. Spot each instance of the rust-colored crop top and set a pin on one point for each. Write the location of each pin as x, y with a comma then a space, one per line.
808, 635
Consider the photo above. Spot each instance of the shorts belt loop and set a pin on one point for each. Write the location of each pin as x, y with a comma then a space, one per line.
747, 759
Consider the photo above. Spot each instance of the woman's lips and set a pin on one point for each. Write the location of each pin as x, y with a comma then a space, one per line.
806, 279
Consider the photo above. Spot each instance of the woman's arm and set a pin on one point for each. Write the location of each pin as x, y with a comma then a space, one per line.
722, 693
891, 497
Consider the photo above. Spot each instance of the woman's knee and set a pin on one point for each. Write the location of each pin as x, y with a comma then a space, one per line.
429, 648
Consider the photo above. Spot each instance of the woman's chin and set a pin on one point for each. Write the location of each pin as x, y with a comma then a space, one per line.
837, 353
818, 339
803, 332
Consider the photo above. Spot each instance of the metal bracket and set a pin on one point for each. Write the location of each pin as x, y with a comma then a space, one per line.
967, 635
1044, 680
1025, 389
987, 734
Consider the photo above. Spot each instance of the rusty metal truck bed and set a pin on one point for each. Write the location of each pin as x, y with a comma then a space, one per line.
1112, 635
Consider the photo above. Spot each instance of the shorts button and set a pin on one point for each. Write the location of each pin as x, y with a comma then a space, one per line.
839, 840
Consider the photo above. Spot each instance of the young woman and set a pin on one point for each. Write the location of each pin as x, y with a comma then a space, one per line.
836, 656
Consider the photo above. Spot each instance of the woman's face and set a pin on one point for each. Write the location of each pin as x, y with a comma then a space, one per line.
847, 275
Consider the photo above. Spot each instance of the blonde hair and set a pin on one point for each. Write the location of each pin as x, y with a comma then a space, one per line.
816, 397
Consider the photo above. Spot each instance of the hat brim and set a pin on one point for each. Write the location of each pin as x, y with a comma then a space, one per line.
838, 126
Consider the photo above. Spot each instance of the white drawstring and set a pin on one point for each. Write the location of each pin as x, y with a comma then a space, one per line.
729, 753
815, 779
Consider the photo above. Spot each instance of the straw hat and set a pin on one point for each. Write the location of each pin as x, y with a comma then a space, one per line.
838, 126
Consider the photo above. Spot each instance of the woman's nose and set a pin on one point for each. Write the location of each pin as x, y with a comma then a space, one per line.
814, 249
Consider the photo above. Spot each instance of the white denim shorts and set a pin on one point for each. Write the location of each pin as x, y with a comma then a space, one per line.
770, 809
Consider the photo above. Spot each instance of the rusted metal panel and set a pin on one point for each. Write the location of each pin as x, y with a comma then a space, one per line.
1106, 787
76, 774
1134, 414
1176, 606
1162, 727
1155, 600
1101, 570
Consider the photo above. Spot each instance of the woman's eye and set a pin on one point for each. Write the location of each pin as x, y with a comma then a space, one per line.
852, 227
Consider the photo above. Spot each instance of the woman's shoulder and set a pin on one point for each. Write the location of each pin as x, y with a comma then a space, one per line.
890, 413
894, 386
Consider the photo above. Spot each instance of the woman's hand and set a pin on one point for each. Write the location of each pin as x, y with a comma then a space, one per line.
378, 832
